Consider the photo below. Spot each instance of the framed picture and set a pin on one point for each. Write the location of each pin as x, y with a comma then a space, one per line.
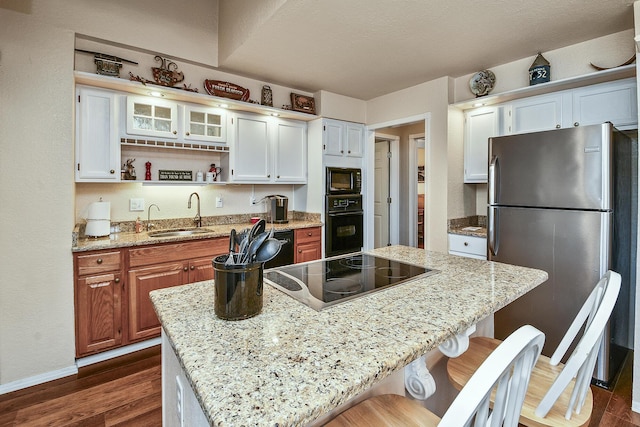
303, 103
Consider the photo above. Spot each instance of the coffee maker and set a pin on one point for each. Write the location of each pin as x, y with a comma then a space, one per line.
277, 207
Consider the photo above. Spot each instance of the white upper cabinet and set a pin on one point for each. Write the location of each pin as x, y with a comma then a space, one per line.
613, 102
479, 126
343, 138
97, 144
537, 113
250, 153
290, 151
148, 116
268, 150
204, 124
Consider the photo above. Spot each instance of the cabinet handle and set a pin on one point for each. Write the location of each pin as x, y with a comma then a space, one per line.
99, 260
112, 171
186, 269
576, 124
99, 285
557, 126
193, 267
117, 280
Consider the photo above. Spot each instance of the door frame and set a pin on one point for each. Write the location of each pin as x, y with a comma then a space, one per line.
413, 188
369, 164
394, 186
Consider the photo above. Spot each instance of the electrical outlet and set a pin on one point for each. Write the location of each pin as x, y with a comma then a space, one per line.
252, 200
136, 205
219, 202
179, 401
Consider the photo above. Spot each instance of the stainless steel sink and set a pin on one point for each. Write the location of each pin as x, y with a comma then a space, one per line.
176, 232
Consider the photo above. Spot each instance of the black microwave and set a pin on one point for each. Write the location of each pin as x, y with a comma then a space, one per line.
344, 181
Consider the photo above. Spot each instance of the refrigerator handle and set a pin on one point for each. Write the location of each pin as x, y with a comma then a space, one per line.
494, 176
493, 242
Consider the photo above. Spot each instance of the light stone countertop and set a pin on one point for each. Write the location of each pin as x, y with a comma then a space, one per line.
290, 364
127, 239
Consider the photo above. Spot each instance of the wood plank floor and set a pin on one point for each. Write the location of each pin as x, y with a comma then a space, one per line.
127, 391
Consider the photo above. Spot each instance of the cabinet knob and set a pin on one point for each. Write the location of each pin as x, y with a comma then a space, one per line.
99, 260
299, 251
112, 171
466, 243
193, 267
557, 126
341, 151
175, 132
117, 280
269, 176
309, 233
349, 152
188, 134
576, 124
278, 176
186, 268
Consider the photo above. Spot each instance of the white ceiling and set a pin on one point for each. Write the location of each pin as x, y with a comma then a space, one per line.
367, 48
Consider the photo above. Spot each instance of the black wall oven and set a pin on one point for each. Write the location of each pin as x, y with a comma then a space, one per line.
344, 224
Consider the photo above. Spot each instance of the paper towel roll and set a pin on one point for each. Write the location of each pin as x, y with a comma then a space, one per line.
99, 210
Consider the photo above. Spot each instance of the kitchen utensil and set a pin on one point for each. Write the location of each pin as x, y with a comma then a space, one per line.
254, 245
232, 246
257, 228
238, 289
268, 250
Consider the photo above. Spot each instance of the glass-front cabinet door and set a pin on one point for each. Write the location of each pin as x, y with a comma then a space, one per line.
205, 124
152, 117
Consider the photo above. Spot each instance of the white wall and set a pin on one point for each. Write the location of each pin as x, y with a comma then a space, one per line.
36, 197
430, 97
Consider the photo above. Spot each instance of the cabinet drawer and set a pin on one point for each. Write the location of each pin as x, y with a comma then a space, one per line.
475, 247
158, 254
312, 234
98, 262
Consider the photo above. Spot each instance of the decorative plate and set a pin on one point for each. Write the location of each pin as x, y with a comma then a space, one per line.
482, 82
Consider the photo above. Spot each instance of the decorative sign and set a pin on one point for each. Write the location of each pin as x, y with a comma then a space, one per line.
303, 103
173, 175
226, 90
167, 74
540, 71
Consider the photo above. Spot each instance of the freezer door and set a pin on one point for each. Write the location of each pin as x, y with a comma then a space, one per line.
571, 246
564, 168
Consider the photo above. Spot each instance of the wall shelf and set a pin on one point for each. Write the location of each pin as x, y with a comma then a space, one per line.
134, 87
133, 142
553, 86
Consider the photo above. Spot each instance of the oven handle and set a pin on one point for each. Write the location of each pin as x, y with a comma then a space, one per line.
345, 213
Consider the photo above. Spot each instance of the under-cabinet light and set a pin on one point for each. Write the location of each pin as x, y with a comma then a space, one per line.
223, 105
156, 93
478, 104
275, 114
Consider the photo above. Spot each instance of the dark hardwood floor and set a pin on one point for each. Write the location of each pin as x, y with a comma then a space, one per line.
127, 391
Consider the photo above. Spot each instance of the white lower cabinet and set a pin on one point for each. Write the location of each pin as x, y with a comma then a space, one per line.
468, 246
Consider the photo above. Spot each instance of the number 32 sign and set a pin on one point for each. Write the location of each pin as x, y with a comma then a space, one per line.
540, 71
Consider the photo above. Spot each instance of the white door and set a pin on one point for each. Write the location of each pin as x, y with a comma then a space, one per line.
381, 195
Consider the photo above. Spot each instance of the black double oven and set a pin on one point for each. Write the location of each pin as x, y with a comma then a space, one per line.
343, 211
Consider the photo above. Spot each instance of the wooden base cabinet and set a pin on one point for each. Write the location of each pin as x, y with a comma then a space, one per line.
112, 302
184, 262
308, 244
98, 298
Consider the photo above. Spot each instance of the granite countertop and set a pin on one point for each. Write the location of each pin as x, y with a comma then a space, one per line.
475, 226
130, 238
290, 364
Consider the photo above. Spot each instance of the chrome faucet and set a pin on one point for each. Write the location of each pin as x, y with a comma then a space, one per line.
198, 219
149, 225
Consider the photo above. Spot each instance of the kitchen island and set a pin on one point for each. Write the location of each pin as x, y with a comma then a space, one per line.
291, 364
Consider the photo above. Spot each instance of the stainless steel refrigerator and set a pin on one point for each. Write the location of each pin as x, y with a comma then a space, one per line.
565, 201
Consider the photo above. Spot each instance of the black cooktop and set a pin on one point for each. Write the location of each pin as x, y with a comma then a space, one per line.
320, 284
